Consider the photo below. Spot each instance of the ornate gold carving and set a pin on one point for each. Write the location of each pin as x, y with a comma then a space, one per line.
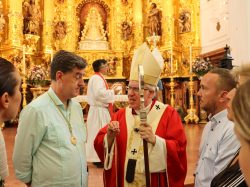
30, 42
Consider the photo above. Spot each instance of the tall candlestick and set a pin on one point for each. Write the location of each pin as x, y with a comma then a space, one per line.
171, 57
190, 59
24, 63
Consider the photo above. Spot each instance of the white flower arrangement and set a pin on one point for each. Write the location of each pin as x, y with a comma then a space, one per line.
37, 76
201, 66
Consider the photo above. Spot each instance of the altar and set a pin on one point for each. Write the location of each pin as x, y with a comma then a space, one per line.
121, 101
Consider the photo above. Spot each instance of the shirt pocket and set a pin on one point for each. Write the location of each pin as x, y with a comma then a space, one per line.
58, 134
210, 153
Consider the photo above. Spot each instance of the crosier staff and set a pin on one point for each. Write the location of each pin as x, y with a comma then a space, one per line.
143, 119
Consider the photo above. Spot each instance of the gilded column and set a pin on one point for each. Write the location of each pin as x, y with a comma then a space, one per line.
48, 25
117, 25
15, 23
167, 22
71, 26
197, 23
138, 22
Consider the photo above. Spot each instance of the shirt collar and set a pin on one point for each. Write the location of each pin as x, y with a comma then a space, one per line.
217, 117
56, 99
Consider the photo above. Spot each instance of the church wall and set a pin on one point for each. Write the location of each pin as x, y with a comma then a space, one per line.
226, 22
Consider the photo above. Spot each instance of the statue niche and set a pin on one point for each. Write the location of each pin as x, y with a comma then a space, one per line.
93, 33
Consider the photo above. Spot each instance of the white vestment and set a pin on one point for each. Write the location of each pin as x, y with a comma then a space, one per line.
98, 98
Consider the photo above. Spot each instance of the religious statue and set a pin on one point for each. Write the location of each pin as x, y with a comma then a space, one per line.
93, 34
93, 29
32, 17
60, 30
154, 20
112, 66
185, 22
126, 31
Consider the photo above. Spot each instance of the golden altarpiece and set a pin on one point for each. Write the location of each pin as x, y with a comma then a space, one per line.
31, 31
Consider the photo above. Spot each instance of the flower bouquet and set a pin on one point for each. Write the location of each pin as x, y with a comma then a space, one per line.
201, 66
37, 76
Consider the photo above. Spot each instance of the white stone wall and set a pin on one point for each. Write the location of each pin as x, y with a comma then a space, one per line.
234, 18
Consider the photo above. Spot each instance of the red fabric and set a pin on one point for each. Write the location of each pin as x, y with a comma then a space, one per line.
170, 128
110, 107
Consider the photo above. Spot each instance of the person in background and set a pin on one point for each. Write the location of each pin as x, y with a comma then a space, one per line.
218, 141
119, 144
10, 99
49, 146
100, 99
231, 174
241, 110
159, 91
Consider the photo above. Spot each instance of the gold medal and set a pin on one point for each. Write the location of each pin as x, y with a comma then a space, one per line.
73, 140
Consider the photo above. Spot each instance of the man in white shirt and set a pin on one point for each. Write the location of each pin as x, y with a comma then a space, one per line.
218, 142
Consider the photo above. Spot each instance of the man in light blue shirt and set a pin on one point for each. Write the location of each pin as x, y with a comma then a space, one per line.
218, 143
50, 142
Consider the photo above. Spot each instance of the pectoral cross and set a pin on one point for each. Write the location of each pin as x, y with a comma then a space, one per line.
134, 151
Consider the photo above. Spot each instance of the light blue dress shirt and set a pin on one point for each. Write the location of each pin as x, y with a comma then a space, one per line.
43, 152
218, 146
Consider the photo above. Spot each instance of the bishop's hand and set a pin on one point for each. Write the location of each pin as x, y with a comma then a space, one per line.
112, 132
147, 134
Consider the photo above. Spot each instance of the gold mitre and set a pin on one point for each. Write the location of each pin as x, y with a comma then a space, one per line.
152, 63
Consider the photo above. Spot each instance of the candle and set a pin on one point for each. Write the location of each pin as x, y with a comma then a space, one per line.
51, 55
190, 59
171, 58
24, 64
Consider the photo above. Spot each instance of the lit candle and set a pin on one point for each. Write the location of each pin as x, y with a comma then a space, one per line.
51, 55
24, 64
171, 58
190, 59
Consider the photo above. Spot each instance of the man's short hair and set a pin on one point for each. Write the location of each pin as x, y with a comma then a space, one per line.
97, 64
226, 81
66, 61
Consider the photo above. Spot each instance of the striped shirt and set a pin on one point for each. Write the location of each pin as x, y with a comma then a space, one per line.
231, 176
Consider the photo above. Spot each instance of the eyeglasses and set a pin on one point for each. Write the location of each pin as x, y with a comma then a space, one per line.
135, 89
